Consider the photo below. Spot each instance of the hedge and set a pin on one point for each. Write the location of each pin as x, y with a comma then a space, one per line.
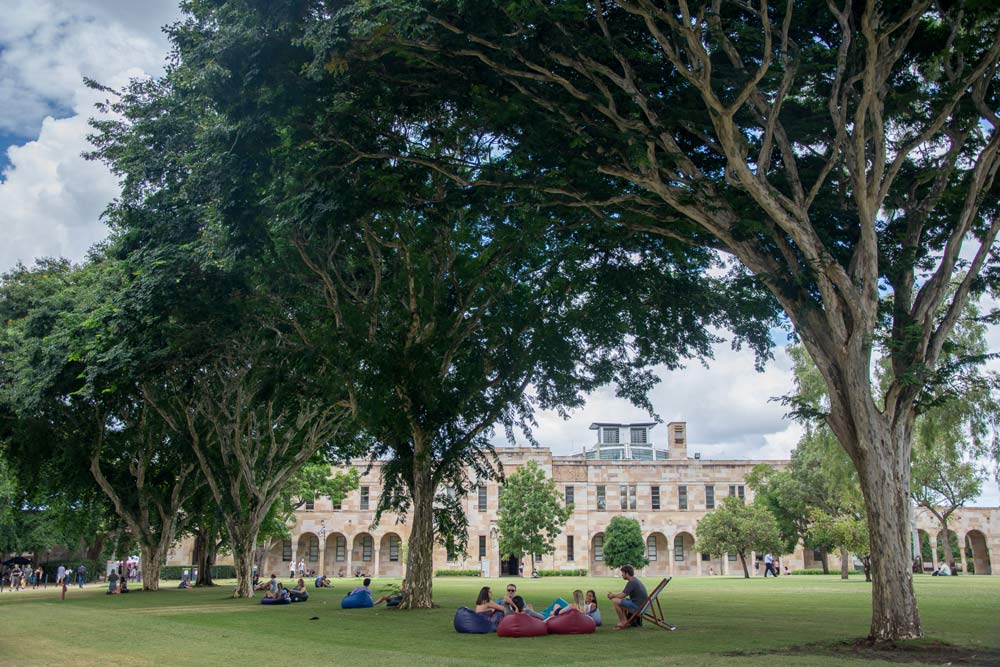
177, 571
456, 573
813, 571
563, 573
95, 569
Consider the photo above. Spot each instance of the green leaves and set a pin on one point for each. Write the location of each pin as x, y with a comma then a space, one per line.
624, 544
531, 514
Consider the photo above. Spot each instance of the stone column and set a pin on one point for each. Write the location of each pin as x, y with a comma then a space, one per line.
376, 549
322, 557
933, 541
961, 551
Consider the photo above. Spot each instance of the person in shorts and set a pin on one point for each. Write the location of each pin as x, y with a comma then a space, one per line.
631, 597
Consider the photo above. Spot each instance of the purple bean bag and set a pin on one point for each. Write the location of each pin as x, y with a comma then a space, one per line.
469, 622
359, 600
521, 625
571, 622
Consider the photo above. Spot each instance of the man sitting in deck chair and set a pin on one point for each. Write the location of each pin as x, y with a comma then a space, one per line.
630, 600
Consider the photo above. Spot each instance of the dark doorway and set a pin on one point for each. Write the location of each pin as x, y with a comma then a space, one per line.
510, 566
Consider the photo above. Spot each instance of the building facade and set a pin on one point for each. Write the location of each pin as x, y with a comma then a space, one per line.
623, 473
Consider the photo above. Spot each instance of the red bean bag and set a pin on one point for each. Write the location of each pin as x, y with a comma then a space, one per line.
521, 625
571, 622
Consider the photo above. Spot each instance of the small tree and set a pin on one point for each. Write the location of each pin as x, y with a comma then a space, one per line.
531, 512
623, 544
737, 528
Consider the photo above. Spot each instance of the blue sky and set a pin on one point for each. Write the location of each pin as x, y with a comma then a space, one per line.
51, 200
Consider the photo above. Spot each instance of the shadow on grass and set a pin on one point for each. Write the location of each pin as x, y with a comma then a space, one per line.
921, 651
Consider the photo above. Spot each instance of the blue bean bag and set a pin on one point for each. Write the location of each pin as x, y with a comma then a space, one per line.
548, 610
571, 622
359, 600
469, 622
596, 617
275, 601
521, 625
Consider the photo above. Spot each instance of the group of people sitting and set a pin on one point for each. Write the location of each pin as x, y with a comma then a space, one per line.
275, 590
629, 600
117, 583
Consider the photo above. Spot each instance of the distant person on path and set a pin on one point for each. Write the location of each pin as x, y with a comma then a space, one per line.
15, 577
628, 601
81, 575
60, 574
769, 565
113, 582
291, 570
302, 568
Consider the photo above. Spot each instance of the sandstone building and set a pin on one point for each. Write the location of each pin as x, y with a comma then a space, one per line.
623, 473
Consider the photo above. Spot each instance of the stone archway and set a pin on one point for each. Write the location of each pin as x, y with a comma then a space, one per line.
927, 556
363, 555
390, 556
658, 554
976, 542
308, 551
597, 566
683, 554
336, 557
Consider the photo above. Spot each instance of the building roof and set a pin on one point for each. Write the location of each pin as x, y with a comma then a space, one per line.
596, 425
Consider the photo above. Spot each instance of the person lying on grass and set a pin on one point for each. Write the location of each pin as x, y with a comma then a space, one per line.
391, 599
628, 601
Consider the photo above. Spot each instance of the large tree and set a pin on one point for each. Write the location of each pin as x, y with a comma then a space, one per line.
531, 514
738, 528
440, 313
844, 152
623, 543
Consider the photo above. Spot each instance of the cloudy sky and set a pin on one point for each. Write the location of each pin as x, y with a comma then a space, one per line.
51, 200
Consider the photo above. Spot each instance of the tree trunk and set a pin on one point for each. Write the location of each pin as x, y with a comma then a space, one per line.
153, 558
204, 556
844, 571
824, 559
418, 587
949, 555
866, 561
884, 473
743, 561
243, 538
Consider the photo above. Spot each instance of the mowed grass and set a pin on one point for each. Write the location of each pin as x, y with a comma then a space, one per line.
716, 617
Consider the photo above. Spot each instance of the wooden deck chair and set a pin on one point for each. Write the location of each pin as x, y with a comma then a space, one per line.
650, 610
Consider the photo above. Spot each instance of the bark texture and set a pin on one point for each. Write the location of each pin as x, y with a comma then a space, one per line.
418, 587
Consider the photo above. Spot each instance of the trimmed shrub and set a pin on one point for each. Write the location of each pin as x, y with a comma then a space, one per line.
456, 573
169, 572
563, 573
814, 571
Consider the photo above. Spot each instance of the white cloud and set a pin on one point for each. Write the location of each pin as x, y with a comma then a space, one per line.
48, 47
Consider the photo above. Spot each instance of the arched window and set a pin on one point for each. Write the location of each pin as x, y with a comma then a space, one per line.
651, 548
679, 548
599, 548
341, 548
367, 544
393, 548
313, 549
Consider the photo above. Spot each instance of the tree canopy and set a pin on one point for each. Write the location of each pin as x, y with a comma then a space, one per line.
531, 514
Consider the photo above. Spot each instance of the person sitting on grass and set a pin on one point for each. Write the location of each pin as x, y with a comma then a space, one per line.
185, 582
590, 602
299, 593
578, 603
323, 582
628, 601
487, 608
123, 585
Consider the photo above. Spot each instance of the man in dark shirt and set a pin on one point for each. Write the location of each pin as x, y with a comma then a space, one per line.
630, 599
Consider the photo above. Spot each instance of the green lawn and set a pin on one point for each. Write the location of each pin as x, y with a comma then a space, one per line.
716, 617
